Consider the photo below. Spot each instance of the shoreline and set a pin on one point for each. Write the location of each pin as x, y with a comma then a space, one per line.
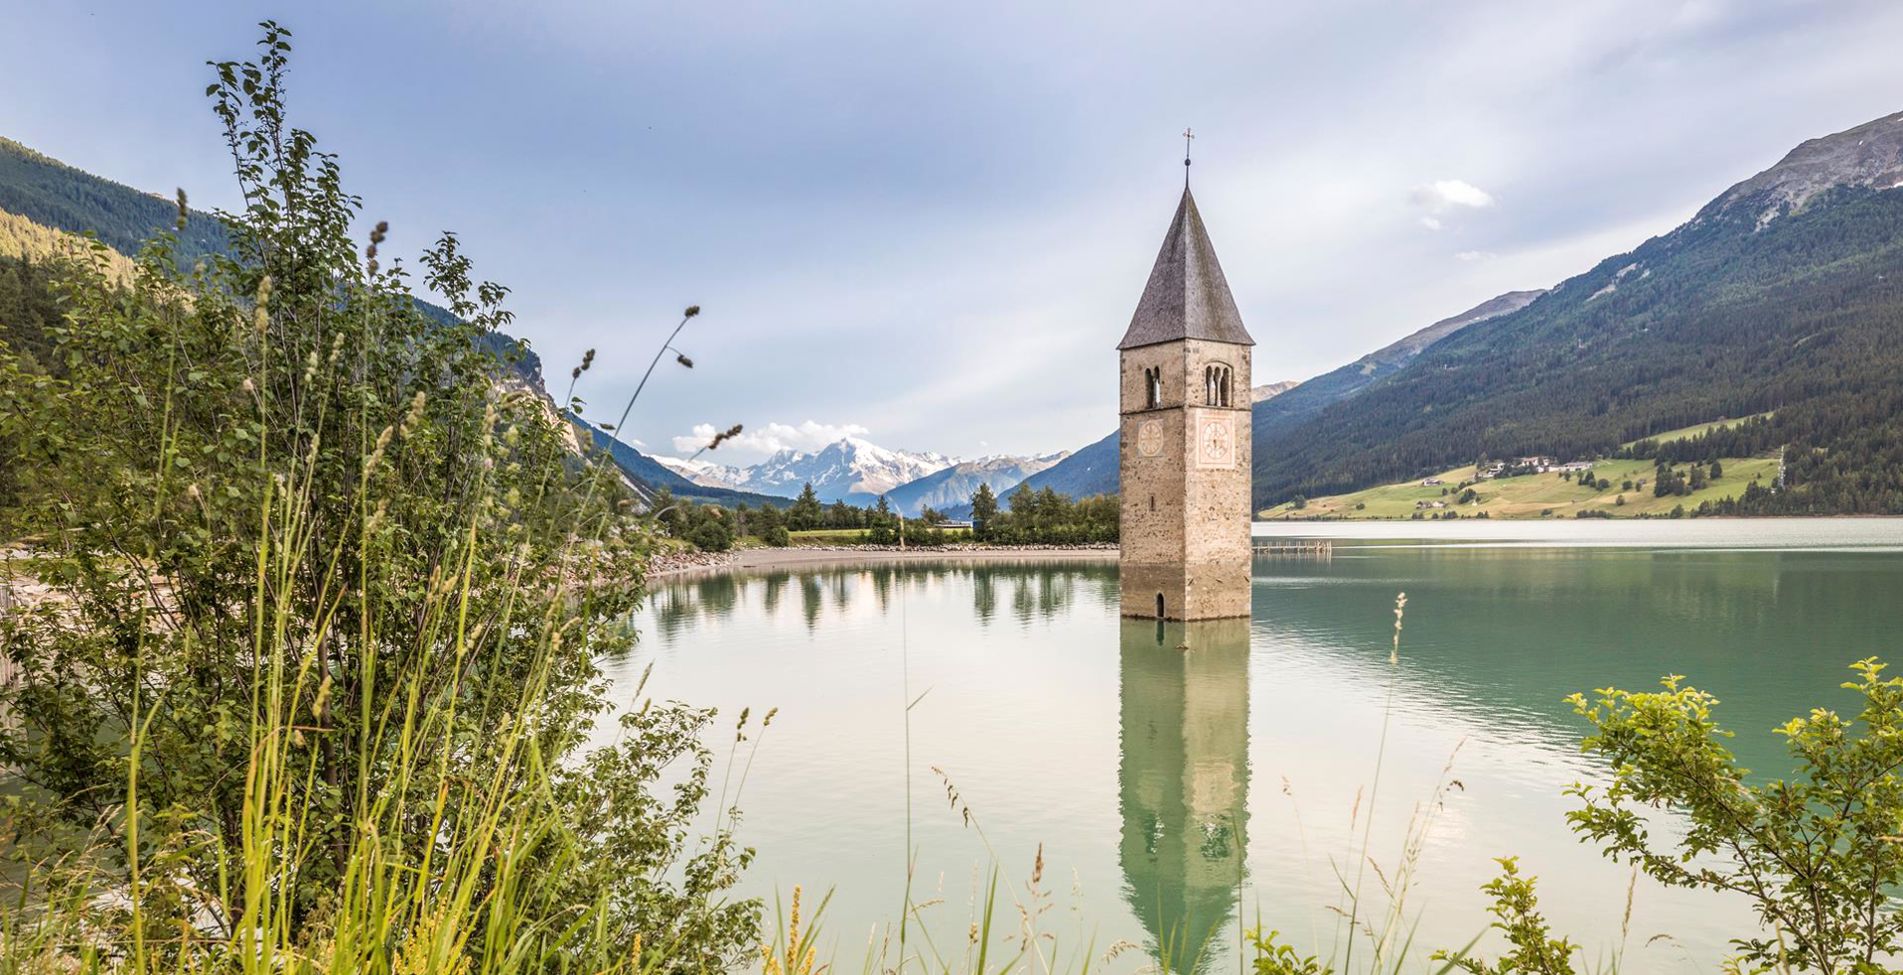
755, 559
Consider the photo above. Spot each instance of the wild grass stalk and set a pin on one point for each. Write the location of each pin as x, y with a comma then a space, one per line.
328, 593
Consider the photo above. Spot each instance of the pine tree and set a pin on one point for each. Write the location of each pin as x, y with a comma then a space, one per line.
984, 508
805, 512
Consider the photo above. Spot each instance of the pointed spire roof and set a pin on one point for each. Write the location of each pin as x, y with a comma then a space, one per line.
1187, 297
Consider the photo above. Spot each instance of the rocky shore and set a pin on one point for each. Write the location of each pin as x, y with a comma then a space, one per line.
768, 558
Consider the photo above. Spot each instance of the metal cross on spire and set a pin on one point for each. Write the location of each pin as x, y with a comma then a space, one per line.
1188, 134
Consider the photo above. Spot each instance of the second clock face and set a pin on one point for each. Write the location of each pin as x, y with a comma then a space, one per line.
1216, 443
1150, 438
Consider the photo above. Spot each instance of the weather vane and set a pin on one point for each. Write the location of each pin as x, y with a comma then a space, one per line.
1188, 134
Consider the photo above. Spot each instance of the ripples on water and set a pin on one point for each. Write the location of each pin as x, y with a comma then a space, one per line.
1158, 778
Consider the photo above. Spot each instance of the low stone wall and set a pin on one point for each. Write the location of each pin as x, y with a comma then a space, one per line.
794, 556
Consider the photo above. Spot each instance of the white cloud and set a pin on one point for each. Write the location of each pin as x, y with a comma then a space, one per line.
1471, 256
808, 435
1445, 195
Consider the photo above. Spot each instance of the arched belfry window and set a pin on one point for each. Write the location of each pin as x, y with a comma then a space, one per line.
1153, 387
1216, 380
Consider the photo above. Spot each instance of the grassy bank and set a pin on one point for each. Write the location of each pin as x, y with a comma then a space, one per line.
858, 536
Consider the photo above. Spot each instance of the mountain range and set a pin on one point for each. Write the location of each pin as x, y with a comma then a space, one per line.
1784, 294
851, 469
857, 471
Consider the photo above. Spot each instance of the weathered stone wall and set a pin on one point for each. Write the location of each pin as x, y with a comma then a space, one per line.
1190, 592
1184, 469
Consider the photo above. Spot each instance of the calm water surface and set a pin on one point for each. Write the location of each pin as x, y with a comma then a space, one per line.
1173, 790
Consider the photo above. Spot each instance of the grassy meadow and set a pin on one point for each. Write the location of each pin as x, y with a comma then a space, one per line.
1546, 495
1699, 429
1533, 495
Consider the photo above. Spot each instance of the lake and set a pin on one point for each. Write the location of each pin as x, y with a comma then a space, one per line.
1180, 777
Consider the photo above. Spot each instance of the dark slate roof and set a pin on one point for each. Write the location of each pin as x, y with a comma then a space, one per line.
1187, 297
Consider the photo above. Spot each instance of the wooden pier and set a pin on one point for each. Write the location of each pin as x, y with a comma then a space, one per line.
1298, 548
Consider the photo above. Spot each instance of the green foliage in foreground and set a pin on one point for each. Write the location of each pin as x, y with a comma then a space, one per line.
316, 684
1817, 854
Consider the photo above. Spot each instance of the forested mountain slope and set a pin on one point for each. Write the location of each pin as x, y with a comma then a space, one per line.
1332, 387
53, 194
1785, 293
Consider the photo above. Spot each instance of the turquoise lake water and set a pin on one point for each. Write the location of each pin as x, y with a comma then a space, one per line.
1181, 778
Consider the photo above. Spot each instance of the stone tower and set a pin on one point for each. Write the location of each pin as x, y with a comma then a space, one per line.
1184, 458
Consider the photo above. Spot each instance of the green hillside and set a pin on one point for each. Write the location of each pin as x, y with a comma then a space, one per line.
1545, 495
1721, 317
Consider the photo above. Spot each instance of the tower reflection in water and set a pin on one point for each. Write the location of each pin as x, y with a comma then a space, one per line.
1184, 781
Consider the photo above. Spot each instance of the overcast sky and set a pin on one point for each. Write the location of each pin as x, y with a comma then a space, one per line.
929, 223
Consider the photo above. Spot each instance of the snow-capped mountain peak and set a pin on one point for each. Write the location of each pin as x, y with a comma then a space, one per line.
852, 468
705, 473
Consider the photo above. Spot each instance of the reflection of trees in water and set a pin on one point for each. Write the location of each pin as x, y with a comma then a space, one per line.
1033, 590
1183, 781
811, 598
771, 586
984, 594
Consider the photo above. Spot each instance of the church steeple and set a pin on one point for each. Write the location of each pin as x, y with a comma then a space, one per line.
1187, 296
1185, 454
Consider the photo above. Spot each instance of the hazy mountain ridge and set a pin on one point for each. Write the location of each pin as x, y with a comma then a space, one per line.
1272, 390
1869, 155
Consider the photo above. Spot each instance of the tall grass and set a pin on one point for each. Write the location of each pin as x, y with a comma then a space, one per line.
315, 684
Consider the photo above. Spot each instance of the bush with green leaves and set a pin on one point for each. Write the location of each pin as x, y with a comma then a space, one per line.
316, 676
1816, 854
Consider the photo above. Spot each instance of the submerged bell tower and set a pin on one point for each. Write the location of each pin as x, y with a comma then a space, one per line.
1184, 459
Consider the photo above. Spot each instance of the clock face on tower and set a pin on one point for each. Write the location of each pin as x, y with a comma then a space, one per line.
1216, 443
1149, 438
